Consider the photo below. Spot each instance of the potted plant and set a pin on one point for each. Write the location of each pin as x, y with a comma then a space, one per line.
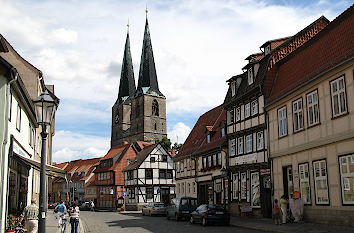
14, 224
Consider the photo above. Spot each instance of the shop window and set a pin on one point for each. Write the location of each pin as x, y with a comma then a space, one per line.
338, 95
243, 186
347, 178
313, 109
235, 187
305, 183
321, 188
240, 145
282, 122
247, 110
233, 147
260, 140
148, 173
255, 190
249, 143
149, 193
254, 107
298, 116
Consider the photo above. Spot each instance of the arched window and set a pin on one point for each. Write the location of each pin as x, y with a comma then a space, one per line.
155, 108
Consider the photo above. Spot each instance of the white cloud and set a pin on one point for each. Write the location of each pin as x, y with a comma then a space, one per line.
63, 35
179, 133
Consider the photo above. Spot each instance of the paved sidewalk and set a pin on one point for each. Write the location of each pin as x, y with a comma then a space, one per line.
269, 226
52, 224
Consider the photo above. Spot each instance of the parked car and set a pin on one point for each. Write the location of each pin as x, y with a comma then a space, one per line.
181, 207
85, 206
205, 214
52, 205
154, 209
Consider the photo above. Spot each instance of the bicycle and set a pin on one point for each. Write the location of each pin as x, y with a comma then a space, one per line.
64, 219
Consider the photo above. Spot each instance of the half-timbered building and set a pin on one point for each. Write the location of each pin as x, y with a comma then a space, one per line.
246, 123
149, 178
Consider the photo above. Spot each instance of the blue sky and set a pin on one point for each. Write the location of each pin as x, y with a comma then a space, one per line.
198, 45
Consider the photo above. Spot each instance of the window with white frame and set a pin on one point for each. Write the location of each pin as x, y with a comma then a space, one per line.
194, 189
204, 162
282, 122
18, 118
233, 147
177, 166
181, 166
320, 176
219, 159
305, 183
339, 98
255, 190
347, 178
214, 160
249, 143
233, 88
209, 161
208, 137
250, 76
232, 117
247, 110
254, 107
235, 187
240, 145
260, 140
313, 112
243, 186
238, 114
298, 116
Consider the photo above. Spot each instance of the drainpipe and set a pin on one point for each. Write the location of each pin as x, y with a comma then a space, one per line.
3, 149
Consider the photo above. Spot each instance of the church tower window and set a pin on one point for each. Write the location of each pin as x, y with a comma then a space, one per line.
155, 108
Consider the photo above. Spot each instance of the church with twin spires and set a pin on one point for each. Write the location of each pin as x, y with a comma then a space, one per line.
139, 113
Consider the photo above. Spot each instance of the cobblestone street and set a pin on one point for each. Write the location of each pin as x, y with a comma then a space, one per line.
105, 222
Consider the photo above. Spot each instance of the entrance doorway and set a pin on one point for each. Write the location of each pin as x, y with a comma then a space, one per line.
288, 185
165, 196
266, 194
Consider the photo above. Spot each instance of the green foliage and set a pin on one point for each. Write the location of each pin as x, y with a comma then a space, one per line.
165, 143
177, 146
14, 223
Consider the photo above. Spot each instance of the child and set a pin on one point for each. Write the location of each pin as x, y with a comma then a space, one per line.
276, 212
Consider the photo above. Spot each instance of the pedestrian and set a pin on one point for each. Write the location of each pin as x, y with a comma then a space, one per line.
30, 214
276, 212
284, 207
92, 206
60, 210
74, 217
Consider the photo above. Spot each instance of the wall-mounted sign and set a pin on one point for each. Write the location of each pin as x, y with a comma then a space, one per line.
17, 148
246, 158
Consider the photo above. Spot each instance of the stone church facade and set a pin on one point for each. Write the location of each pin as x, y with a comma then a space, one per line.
139, 113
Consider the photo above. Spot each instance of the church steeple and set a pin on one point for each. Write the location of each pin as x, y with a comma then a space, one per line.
147, 83
127, 82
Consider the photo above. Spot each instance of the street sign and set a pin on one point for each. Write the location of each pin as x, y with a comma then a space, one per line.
124, 194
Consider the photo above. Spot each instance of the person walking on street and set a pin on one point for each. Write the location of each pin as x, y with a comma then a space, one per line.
74, 219
276, 212
61, 210
284, 207
30, 214
92, 206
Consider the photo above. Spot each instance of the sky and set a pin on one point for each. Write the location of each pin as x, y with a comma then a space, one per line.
197, 44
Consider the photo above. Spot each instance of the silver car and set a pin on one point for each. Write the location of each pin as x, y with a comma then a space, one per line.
154, 209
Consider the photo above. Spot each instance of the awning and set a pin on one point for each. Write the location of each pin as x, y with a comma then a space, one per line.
50, 170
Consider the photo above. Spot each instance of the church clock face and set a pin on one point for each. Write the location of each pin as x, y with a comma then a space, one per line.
116, 118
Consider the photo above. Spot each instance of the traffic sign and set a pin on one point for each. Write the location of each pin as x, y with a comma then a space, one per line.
124, 194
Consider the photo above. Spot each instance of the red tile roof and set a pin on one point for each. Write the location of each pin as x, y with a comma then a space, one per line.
331, 46
196, 141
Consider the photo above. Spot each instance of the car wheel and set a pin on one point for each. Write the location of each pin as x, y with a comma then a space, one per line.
191, 220
204, 222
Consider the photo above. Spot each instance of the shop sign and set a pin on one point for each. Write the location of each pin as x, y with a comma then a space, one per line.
246, 158
265, 171
18, 150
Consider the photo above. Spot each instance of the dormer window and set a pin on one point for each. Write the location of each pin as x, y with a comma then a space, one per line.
233, 89
250, 76
267, 50
208, 138
222, 132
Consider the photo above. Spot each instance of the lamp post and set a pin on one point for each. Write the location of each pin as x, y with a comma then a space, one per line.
45, 109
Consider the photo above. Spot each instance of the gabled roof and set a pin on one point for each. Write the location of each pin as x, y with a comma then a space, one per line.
330, 47
127, 82
140, 157
196, 140
276, 42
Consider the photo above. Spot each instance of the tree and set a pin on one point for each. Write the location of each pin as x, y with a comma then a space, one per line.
165, 143
177, 146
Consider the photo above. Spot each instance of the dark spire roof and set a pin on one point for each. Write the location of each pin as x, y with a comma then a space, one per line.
127, 81
147, 83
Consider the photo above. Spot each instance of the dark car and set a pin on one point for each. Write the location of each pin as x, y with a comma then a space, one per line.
85, 206
205, 214
181, 208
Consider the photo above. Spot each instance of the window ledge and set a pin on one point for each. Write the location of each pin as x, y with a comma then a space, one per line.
341, 115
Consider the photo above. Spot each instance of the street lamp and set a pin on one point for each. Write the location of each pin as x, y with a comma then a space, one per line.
45, 108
